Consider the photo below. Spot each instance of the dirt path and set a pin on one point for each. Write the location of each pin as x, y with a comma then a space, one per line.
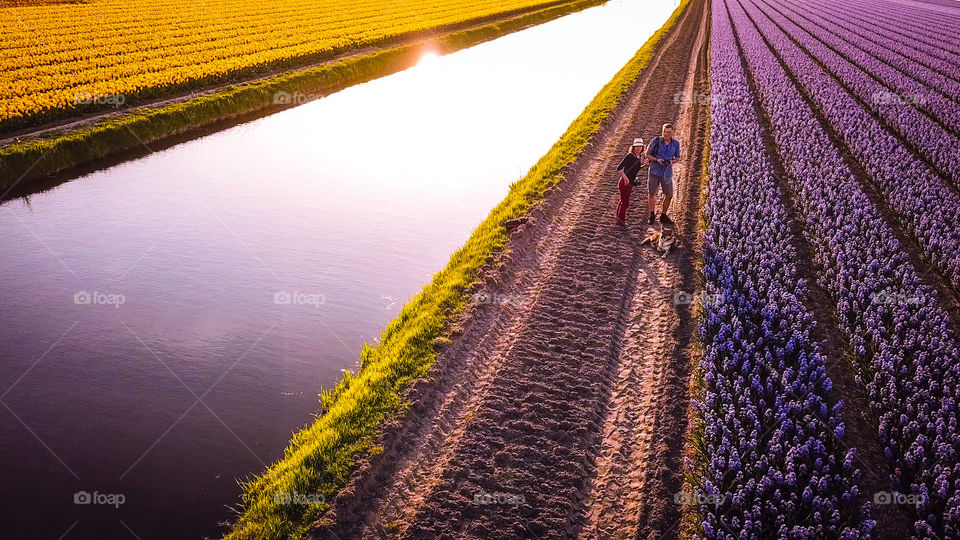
560, 409
641, 451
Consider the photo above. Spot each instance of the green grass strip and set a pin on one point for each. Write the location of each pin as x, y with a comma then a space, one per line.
40, 157
321, 457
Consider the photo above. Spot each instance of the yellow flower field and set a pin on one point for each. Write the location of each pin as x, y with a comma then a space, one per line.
60, 57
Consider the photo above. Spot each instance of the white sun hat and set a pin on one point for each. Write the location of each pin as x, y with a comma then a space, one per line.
638, 142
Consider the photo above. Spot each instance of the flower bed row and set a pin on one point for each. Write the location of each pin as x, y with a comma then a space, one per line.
934, 79
925, 205
774, 462
893, 321
911, 22
885, 90
873, 28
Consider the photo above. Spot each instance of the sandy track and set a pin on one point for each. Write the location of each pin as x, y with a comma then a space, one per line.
639, 459
560, 409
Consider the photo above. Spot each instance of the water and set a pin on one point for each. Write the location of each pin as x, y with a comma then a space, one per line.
149, 356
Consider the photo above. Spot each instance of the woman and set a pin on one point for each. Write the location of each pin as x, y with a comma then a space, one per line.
629, 166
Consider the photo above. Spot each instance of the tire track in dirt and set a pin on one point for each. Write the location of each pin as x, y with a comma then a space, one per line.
515, 405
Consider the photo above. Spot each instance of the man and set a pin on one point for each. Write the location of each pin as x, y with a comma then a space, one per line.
661, 153
629, 166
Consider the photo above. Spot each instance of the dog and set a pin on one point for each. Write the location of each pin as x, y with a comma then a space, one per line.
663, 239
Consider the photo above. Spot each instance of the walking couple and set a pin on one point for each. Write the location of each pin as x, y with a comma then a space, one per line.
661, 153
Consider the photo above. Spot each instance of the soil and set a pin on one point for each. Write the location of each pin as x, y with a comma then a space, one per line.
560, 408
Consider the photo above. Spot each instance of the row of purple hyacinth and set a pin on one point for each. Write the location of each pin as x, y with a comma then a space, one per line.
939, 4
932, 4
914, 29
909, 22
924, 203
897, 98
907, 344
776, 466
931, 91
943, 82
873, 28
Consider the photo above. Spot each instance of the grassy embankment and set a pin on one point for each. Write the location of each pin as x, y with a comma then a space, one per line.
321, 457
40, 157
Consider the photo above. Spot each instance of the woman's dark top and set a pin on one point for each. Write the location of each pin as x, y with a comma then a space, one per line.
630, 164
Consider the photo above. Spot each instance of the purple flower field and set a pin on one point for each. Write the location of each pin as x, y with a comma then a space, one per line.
834, 132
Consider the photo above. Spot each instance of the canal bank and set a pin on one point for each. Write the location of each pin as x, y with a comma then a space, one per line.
207, 238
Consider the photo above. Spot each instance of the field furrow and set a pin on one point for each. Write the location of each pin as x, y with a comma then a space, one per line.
942, 82
886, 90
930, 54
936, 26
